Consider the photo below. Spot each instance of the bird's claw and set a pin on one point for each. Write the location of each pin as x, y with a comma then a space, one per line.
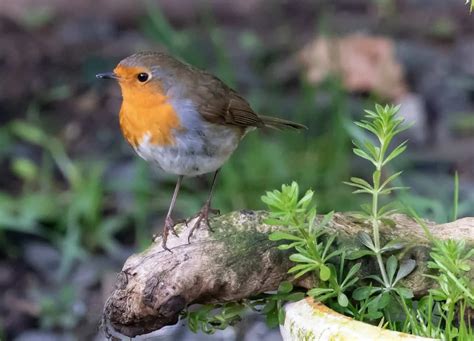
169, 226
201, 217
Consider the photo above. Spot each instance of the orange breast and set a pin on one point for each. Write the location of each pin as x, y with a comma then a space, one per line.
147, 112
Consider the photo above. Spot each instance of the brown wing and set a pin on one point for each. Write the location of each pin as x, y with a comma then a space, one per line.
217, 103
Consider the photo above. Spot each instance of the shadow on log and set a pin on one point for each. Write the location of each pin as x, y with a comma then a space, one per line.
236, 261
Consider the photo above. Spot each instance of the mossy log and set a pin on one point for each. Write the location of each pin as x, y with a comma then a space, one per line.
237, 260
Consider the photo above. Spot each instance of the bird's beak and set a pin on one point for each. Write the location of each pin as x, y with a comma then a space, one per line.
107, 75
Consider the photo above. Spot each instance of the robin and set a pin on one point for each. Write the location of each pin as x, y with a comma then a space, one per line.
182, 120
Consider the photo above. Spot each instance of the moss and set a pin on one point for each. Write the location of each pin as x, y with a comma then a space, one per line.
243, 247
243, 250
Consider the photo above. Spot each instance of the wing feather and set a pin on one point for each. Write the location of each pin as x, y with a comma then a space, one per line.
217, 103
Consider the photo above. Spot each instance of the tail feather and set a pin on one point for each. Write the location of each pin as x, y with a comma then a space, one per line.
279, 123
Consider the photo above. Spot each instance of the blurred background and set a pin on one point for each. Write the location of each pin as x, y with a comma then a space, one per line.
75, 201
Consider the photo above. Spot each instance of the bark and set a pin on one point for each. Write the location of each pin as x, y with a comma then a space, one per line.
236, 261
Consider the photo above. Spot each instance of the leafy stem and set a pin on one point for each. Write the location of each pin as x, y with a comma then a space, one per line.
384, 124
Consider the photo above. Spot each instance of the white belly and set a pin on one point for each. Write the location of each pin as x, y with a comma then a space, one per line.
195, 152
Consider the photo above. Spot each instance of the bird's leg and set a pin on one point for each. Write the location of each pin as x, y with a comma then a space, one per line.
203, 215
169, 222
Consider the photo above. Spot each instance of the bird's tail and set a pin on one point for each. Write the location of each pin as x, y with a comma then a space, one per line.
278, 123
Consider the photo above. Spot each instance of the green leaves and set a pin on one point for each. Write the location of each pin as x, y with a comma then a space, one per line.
338, 284
376, 298
314, 252
74, 216
405, 269
471, 5
280, 235
273, 303
324, 273
303, 234
384, 125
209, 318
29, 132
306, 235
313, 256
285, 206
452, 261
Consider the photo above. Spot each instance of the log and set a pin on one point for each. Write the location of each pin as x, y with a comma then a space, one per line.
237, 261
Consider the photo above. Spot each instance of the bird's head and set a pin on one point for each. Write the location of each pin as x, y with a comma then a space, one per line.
144, 73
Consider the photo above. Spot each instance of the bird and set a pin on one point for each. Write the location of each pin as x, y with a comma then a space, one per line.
183, 120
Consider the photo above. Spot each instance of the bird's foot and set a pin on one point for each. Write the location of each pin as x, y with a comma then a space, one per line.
169, 226
202, 218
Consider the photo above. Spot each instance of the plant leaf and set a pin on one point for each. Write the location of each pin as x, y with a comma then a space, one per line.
396, 152
390, 179
405, 293
316, 292
342, 300
279, 235
296, 296
406, 267
392, 264
366, 240
285, 287
299, 258
392, 245
354, 269
363, 293
324, 272
356, 254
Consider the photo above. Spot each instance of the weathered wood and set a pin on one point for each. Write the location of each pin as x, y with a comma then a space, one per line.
237, 261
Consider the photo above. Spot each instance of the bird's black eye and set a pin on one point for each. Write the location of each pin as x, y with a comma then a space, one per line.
142, 77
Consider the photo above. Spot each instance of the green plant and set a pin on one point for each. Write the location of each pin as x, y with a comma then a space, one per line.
271, 304
339, 284
456, 196
444, 313
434, 314
211, 317
383, 300
301, 230
72, 218
315, 252
384, 125
450, 261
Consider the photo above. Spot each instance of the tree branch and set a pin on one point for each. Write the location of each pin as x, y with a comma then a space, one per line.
237, 261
